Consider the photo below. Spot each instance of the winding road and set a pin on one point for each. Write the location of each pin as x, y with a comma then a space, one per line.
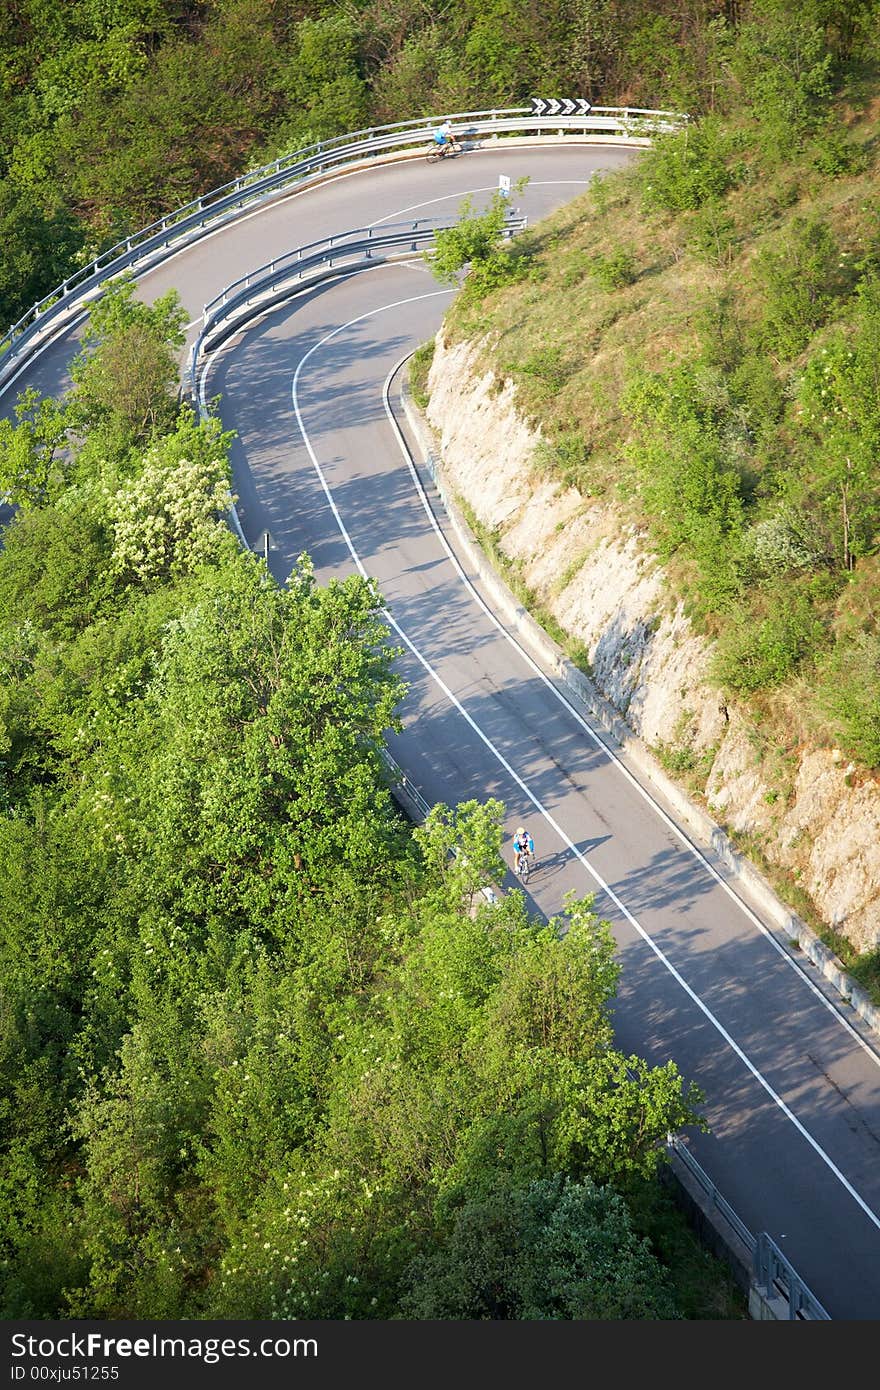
792, 1082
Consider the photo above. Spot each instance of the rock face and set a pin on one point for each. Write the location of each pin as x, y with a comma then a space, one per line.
818, 820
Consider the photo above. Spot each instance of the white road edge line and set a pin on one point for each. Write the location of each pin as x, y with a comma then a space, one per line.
777, 1099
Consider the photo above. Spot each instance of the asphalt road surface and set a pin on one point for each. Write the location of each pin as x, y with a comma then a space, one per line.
792, 1083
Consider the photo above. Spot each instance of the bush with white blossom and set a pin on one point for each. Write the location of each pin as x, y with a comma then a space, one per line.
169, 520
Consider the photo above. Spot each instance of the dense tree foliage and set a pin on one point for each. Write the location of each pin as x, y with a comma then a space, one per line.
555, 1249
265, 1048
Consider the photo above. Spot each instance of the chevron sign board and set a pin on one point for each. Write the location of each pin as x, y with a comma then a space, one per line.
553, 106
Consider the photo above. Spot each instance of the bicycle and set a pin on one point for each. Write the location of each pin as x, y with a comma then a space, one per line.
448, 150
523, 868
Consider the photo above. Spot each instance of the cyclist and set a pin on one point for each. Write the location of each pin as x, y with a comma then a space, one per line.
523, 844
443, 136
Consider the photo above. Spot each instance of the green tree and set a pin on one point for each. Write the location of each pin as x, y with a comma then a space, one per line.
41, 239
556, 1249
136, 1125
785, 67
55, 565
475, 242
34, 462
171, 518
462, 848
125, 378
263, 724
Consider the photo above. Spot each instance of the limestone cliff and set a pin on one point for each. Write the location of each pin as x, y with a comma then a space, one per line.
820, 822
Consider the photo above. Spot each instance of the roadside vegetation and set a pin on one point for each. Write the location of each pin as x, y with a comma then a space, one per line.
698, 338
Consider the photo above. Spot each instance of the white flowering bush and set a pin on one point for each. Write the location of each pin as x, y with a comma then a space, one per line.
784, 543
169, 520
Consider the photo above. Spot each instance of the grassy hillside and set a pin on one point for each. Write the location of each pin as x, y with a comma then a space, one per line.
698, 338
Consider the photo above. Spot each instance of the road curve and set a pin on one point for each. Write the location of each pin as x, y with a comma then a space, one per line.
792, 1086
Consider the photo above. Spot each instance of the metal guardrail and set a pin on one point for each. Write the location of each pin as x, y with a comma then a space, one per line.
278, 278
161, 238
771, 1273
742, 1231
405, 784
777, 1277
416, 234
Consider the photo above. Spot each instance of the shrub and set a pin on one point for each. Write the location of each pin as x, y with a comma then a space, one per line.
567, 458
473, 238
475, 241
683, 171
681, 450
614, 270
839, 400
504, 266
712, 233
755, 385
784, 543
799, 280
758, 655
419, 367
849, 694
547, 365
833, 154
